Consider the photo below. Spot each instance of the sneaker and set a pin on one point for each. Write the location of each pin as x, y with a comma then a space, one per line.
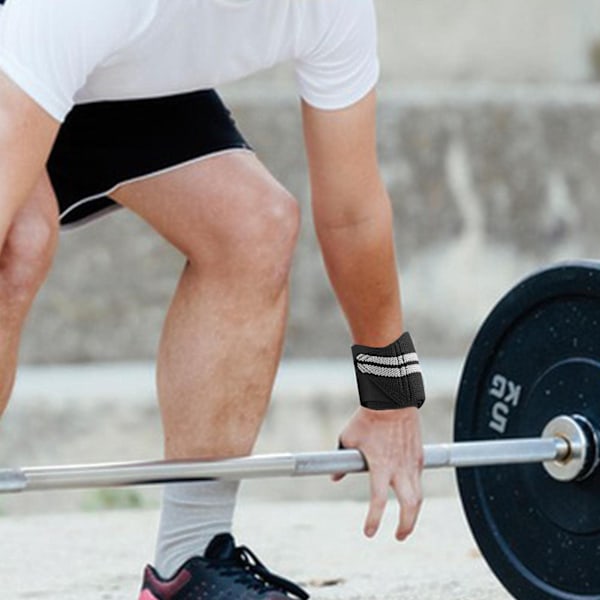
223, 573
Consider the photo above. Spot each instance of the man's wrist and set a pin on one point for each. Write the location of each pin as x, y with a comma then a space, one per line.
389, 377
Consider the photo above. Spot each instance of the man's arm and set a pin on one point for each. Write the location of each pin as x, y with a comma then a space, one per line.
26, 136
353, 221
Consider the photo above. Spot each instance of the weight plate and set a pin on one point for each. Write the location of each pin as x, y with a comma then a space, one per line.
537, 356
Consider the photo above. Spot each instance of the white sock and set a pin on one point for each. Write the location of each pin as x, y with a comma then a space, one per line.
192, 514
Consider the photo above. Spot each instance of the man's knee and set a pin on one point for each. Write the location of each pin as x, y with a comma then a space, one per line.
258, 244
28, 251
269, 236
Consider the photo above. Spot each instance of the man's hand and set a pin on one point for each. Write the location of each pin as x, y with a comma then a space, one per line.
390, 441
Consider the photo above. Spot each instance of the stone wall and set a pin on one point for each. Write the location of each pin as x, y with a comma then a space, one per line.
496, 40
488, 183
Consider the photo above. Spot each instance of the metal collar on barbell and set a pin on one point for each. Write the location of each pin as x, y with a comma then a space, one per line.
583, 457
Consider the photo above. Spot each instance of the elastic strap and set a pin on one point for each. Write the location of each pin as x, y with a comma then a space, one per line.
389, 377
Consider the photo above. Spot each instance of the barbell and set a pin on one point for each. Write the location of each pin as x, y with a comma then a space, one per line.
566, 446
529, 395
567, 443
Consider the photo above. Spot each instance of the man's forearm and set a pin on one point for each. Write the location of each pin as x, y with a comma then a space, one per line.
358, 251
353, 218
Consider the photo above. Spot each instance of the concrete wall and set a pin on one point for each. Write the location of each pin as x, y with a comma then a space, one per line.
487, 183
495, 40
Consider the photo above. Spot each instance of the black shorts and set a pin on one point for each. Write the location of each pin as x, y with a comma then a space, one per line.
104, 144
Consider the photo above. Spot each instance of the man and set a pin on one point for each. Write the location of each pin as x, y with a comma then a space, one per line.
112, 102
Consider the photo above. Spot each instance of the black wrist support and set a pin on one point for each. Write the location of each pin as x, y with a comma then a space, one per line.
389, 377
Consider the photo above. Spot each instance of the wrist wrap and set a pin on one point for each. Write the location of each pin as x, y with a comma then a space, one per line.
389, 377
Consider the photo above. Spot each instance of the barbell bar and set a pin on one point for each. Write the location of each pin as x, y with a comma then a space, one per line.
565, 444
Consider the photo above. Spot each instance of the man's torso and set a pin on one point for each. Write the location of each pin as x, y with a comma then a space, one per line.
151, 48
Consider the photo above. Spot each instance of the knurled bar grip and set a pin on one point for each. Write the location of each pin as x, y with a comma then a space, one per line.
462, 454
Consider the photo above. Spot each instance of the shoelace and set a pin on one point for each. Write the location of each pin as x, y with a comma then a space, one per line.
257, 576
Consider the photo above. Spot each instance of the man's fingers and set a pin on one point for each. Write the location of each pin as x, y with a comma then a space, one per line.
379, 491
410, 499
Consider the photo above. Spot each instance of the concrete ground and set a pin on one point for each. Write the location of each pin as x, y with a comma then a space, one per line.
100, 555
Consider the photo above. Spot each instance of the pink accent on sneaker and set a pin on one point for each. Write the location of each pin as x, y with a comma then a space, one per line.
166, 589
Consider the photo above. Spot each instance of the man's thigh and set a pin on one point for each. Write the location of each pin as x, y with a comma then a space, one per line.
206, 202
179, 162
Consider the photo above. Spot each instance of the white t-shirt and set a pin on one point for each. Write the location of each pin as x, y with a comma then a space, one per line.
65, 52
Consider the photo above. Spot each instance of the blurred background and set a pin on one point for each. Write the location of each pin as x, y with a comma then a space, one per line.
489, 140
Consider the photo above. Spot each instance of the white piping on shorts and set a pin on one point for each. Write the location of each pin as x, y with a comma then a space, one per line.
108, 209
